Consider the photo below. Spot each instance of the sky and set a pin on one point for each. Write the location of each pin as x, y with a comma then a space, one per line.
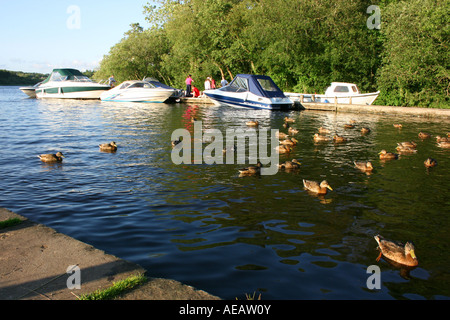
40, 35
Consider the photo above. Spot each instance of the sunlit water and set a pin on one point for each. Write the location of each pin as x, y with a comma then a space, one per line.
207, 227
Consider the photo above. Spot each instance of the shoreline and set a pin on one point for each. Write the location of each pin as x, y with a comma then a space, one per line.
35, 258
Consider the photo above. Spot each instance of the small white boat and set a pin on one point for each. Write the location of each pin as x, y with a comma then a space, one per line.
337, 92
30, 91
250, 91
138, 91
69, 84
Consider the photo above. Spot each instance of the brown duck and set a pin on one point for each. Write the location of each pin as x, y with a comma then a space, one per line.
110, 147
424, 135
251, 170
58, 157
430, 162
364, 166
319, 137
338, 138
315, 187
384, 155
290, 165
402, 254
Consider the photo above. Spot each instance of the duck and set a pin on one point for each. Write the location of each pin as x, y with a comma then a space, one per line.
282, 135
444, 144
293, 131
405, 149
293, 164
442, 139
402, 254
338, 138
424, 135
58, 157
251, 170
365, 130
289, 142
315, 187
384, 155
252, 123
430, 162
349, 126
398, 125
319, 137
322, 130
112, 146
408, 144
288, 120
283, 149
364, 166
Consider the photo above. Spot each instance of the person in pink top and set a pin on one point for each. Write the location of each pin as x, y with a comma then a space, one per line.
188, 85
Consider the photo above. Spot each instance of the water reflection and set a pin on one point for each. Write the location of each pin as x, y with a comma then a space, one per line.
208, 227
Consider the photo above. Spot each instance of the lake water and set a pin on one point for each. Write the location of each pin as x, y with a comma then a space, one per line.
206, 226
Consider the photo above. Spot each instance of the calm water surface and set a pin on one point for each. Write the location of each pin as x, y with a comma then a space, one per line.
207, 227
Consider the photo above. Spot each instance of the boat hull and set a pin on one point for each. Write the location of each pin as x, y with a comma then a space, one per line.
360, 99
248, 100
71, 92
29, 91
138, 95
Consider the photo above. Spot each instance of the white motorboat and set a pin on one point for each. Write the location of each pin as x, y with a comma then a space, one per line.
69, 84
30, 91
138, 91
250, 91
337, 92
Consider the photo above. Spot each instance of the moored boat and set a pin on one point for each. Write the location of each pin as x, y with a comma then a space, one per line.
337, 92
69, 84
30, 91
138, 91
250, 91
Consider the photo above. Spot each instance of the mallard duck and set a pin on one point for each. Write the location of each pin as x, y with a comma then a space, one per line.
338, 138
283, 149
315, 187
408, 144
293, 131
322, 130
364, 166
349, 126
405, 149
282, 135
402, 254
288, 120
58, 157
444, 144
365, 130
289, 142
112, 146
398, 125
424, 135
430, 162
252, 123
319, 137
384, 155
251, 169
289, 165
442, 139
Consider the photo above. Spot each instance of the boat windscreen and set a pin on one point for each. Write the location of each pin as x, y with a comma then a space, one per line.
240, 84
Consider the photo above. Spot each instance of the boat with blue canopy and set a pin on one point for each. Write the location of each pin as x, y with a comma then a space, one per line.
251, 91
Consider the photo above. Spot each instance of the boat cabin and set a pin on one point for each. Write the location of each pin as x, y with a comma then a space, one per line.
341, 88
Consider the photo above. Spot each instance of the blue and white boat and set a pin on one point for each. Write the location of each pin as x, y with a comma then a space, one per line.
250, 91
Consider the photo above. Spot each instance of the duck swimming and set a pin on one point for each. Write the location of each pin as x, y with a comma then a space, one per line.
251, 170
442, 139
424, 135
409, 144
283, 149
398, 125
430, 162
315, 187
252, 123
384, 155
288, 120
281, 135
364, 166
444, 144
402, 254
365, 130
108, 146
293, 131
58, 157
289, 142
319, 137
290, 165
405, 149
338, 138
322, 130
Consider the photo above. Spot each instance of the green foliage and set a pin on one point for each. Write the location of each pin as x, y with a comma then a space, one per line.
116, 289
14, 78
10, 223
303, 45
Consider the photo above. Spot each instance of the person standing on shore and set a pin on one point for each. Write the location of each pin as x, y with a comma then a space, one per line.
224, 82
112, 81
189, 81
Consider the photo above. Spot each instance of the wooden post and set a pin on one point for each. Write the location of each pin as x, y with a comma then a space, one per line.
350, 100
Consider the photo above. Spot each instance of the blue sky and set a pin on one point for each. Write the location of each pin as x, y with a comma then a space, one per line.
39, 35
